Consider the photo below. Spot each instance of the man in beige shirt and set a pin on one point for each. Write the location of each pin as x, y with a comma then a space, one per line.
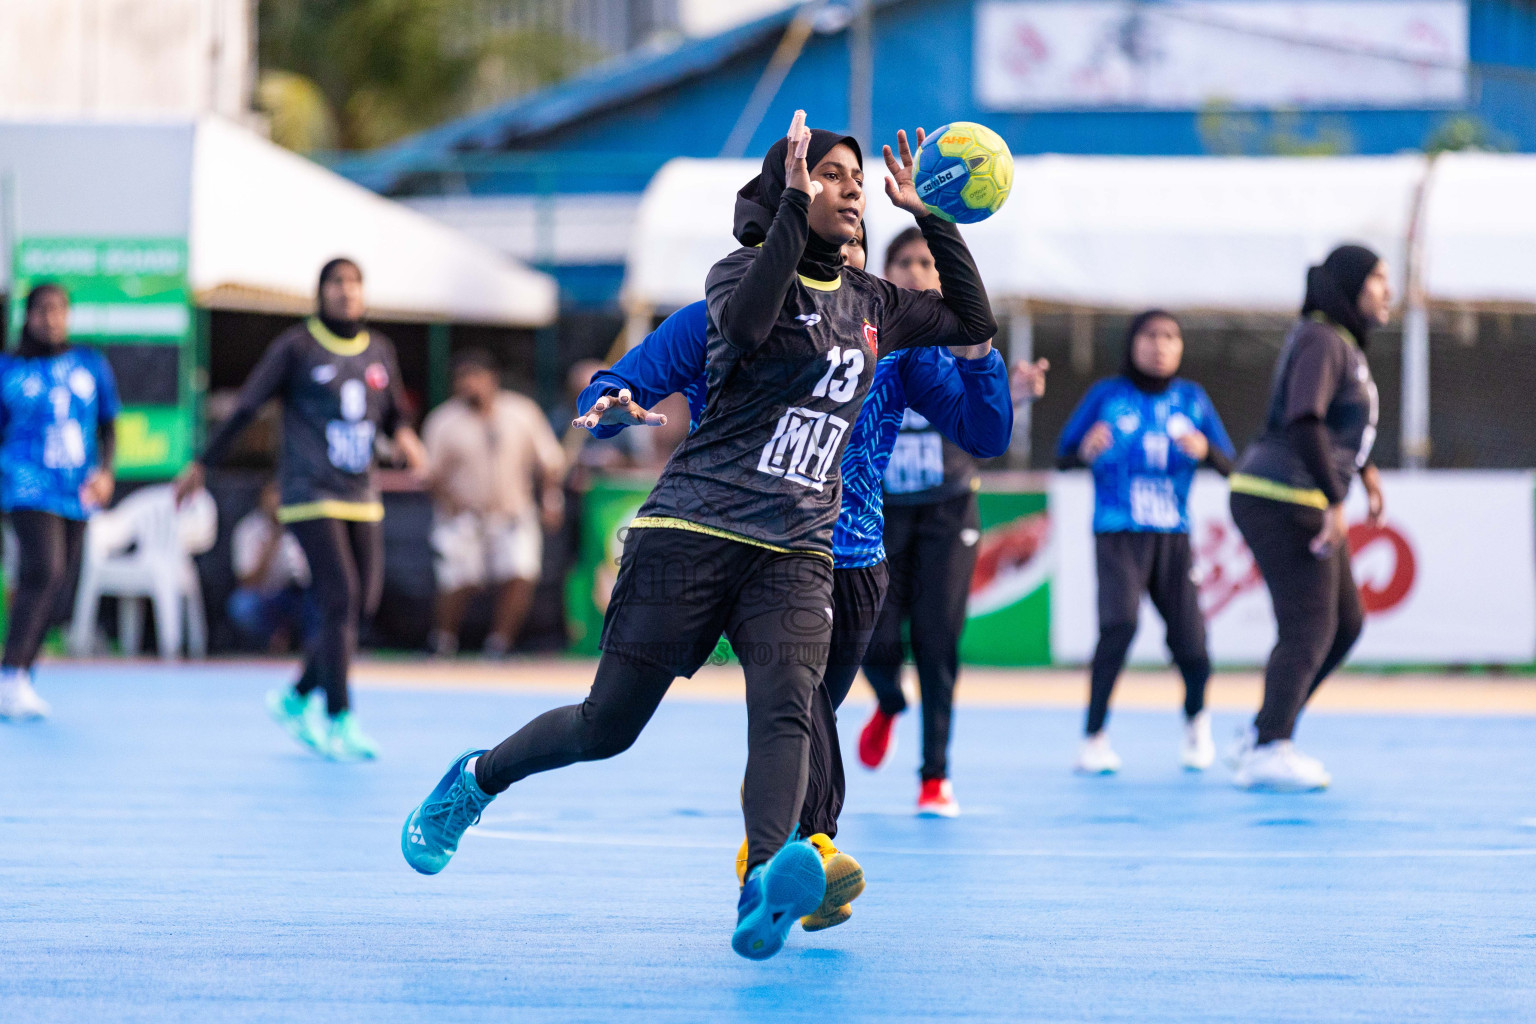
496, 473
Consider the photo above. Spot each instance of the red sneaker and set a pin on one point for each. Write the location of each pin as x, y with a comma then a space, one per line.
937, 800
876, 741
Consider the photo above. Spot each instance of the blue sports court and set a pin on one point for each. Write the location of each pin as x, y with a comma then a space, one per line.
170, 855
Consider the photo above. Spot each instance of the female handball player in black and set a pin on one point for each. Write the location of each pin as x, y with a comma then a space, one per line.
339, 385
736, 535
1288, 501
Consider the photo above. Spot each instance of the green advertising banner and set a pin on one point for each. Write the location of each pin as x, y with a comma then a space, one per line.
605, 510
1009, 619
130, 298
1008, 616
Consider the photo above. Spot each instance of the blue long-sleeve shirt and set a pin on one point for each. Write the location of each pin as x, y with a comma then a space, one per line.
1141, 484
967, 399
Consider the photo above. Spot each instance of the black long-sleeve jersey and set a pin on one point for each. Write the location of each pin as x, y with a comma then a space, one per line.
790, 360
337, 394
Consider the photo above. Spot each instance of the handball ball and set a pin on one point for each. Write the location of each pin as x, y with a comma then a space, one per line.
963, 172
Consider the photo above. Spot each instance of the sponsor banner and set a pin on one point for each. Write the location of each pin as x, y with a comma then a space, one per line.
1009, 611
1180, 55
130, 297
606, 511
1450, 576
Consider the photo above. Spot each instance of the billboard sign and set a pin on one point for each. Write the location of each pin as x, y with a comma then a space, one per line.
1448, 578
130, 298
1189, 54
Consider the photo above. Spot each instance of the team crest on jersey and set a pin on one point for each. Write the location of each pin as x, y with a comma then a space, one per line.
82, 383
872, 338
376, 376
323, 374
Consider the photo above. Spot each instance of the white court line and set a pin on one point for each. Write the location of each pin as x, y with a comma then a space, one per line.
1037, 854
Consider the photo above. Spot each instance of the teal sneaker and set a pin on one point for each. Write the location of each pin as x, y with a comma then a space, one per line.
775, 896
432, 832
298, 715
348, 742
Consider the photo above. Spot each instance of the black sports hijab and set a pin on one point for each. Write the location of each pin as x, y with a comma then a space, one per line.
1334, 286
340, 328
33, 346
758, 201
1144, 381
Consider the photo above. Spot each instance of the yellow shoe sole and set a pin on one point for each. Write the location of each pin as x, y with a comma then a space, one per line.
845, 881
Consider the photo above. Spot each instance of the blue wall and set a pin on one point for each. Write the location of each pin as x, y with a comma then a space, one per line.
934, 37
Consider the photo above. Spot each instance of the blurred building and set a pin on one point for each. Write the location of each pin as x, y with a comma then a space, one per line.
555, 178
126, 58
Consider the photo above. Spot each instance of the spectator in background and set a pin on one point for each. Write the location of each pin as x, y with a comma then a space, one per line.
496, 473
271, 606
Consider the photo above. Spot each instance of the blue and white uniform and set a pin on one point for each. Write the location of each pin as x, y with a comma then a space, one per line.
1141, 523
50, 410
967, 399
1141, 484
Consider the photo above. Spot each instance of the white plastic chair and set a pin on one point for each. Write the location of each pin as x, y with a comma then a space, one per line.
143, 549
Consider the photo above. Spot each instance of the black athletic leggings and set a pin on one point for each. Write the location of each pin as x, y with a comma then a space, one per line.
676, 592
931, 552
346, 565
1157, 564
47, 558
1317, 606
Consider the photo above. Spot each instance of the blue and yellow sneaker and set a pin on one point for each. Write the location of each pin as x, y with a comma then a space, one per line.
299, 716
433, 830
845, 881
789, 886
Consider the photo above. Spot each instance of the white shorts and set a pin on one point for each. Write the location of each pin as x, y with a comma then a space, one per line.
472, 550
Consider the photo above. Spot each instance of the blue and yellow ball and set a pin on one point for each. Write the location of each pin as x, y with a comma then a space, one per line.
963, 172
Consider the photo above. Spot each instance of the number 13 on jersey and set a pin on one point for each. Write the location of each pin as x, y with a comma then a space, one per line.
841, 381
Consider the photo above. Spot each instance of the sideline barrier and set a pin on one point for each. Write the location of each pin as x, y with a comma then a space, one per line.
1450, 577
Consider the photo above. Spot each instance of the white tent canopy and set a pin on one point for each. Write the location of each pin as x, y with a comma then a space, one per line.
259, 221
1188, 233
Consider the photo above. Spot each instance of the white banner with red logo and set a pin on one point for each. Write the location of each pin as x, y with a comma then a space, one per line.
1449, 577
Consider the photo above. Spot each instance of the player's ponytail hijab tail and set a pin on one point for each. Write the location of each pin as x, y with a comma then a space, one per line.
1334, 285
758, 201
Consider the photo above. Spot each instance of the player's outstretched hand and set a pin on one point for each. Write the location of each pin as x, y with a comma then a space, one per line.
1026, 381
619, 410
898, 184
796, 174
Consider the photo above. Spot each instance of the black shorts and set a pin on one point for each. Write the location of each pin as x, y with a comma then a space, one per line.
678, 591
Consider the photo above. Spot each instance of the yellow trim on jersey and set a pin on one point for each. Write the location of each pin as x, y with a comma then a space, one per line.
330, 508
335, 343
822, 286
1318, 316
670, 523
1274, 490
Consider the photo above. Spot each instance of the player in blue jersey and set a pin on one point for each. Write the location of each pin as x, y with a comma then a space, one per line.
967, 398
58, 410
1143, 433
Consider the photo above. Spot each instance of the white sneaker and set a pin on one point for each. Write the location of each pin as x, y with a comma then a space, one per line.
1198, 751
1097, 757
18, 701
1278, 766
1245, 740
